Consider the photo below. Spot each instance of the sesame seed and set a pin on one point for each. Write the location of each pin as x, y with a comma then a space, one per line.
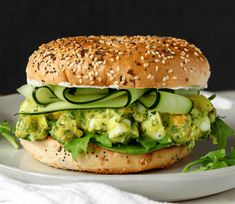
164, 78
91, 78
90, 74
163, 84
142, 57
149, 76
115, 83
146, 64
174, 77
112, 60
109, 74
118, 68
136, 77
157, 60
156, 68
195, 53
181, 64
170, 71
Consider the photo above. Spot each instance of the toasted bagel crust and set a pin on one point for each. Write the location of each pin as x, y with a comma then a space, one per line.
119, 62
100, 160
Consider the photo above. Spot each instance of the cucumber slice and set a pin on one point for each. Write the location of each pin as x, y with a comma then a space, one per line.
67, 95
88, 91
187, 92
117, 102
173, 103
26, 91
135, 94
150, 100
44, 95
116, 99
82, 98
84, 95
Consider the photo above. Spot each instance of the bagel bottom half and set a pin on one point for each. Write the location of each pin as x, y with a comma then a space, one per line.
100, 160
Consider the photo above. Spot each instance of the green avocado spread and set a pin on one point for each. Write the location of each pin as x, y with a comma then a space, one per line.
121, 125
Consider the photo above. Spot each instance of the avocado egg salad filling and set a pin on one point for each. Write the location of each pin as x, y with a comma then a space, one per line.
133, 121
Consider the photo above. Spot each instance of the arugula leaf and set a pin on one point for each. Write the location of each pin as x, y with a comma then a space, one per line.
9, 133
218, 158
205, 161
231, 158
213, 160
221, 131
148, 143
134, 148
78, 145
103, 139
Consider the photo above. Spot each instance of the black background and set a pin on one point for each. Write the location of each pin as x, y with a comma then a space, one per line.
24, 25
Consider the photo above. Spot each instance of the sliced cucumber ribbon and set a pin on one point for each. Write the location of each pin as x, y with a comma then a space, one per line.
173, 103
56, 98
166, 102
150, 99
44, 95
81, 98
26, 91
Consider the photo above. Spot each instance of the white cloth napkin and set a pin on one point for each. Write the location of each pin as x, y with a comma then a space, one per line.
13, 191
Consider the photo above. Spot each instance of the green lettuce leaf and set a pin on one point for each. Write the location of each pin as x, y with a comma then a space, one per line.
79, 145
134, 148
103, 139
221, 131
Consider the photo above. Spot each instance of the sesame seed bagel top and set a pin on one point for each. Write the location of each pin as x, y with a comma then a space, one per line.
119, 61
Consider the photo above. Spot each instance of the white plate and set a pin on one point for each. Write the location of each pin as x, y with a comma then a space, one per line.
169, 184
